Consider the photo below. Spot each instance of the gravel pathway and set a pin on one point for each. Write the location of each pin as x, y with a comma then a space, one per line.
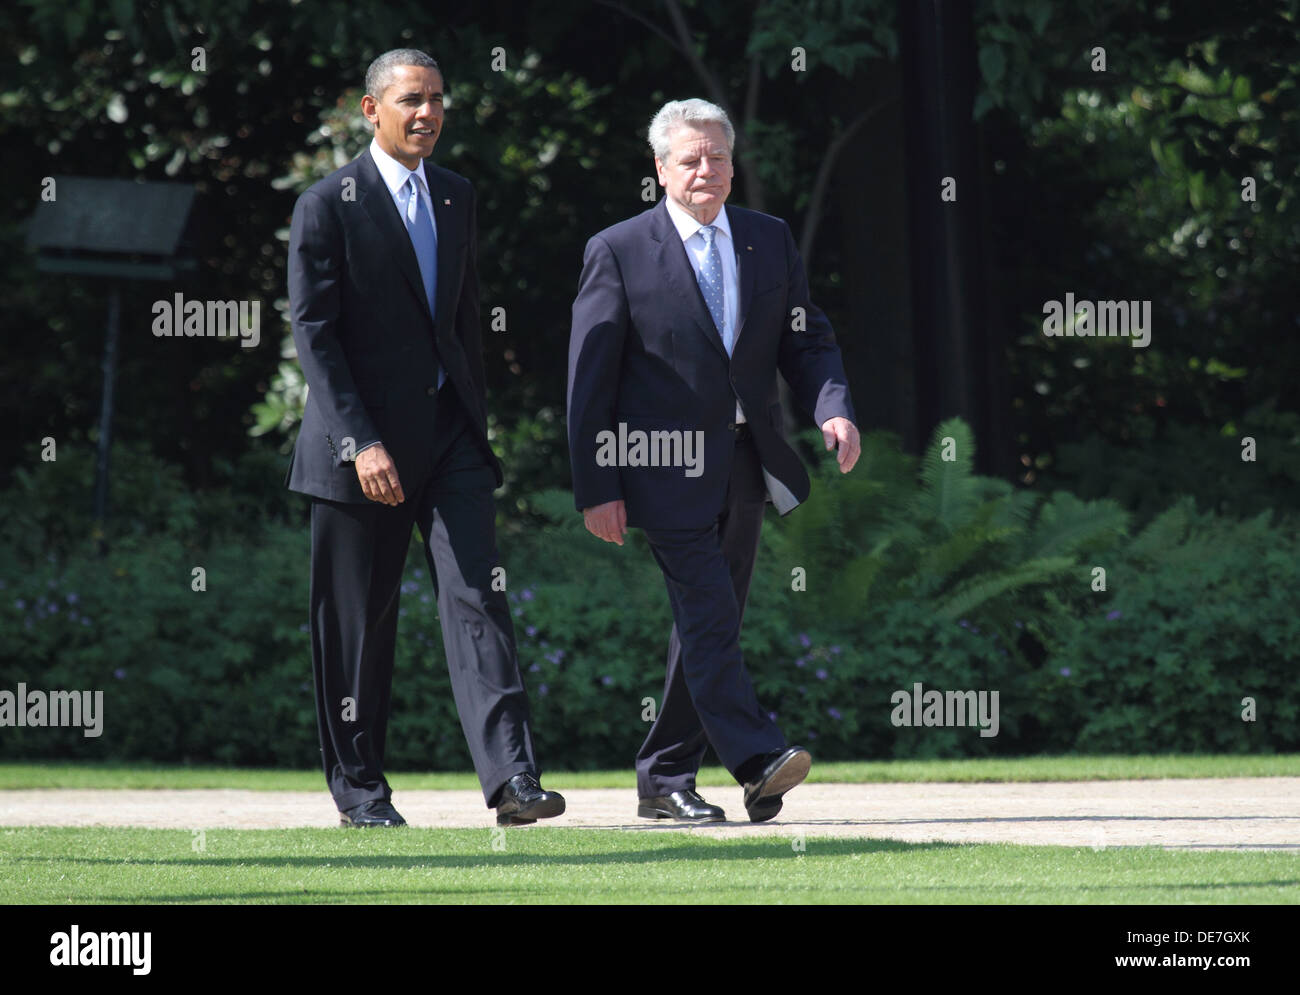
1182, 814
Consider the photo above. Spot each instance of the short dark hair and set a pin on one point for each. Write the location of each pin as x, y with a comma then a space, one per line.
379, 77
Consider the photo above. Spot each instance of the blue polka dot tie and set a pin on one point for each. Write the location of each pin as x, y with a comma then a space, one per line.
425, 242
711, 281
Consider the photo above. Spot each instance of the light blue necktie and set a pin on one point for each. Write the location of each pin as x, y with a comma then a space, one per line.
425, 242
711, 282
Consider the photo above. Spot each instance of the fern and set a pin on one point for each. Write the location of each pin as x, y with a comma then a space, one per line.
949, 486
1165, 531
1066, 524
976, 591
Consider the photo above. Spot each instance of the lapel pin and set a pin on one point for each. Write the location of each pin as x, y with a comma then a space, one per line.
447, 201
749, 248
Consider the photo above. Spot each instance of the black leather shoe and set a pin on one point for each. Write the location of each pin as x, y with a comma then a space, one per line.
683, 806
375, 812
523, 802
783, 772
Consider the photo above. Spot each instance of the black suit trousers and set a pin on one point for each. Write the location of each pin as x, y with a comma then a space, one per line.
708, 695
358, 554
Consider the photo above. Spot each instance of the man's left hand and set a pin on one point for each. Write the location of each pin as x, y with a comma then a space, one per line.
842, 432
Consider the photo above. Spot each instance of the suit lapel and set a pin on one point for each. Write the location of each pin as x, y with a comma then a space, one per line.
742, 239
670, 259
447, 219
378, 203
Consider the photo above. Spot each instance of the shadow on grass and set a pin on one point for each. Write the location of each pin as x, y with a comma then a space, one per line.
771, 849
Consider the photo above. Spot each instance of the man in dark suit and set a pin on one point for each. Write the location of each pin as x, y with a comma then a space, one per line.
383, 296
683, 316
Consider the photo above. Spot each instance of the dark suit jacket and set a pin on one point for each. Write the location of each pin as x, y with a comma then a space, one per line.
644, 351
366, 341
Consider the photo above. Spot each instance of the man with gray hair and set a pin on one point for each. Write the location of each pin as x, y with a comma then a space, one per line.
683, 317
383, 297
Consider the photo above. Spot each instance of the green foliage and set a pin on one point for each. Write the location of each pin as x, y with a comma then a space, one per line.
1155, 469
915, 572
1201, 617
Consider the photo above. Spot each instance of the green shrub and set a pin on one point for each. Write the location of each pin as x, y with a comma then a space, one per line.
902, 572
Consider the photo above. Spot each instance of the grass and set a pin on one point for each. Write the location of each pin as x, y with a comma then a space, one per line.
66, 774
85, 866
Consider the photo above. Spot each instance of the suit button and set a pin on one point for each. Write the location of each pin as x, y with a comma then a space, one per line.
431, 391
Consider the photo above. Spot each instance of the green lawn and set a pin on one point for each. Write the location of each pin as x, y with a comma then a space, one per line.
62, 774
656, 865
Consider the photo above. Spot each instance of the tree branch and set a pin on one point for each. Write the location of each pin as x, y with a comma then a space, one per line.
812, 218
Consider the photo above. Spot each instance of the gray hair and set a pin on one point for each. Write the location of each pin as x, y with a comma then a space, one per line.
676, 113
379, 77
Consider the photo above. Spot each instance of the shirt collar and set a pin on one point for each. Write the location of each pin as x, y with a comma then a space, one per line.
394, 174
687, 226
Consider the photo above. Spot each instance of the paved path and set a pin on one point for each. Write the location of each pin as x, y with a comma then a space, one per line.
1255, 814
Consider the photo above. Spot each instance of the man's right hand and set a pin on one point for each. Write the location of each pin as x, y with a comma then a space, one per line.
607, 521
378, 475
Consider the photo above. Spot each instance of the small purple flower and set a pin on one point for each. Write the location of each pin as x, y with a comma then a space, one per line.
801, 662
530, 631
534, 668
607, 680
835, 650
772, 716
834, 713
73, 597
1065, 671
20, 604
964, 624
811, 734
528, 594
542, 689
821, 674
424, 598
1019, 624
804, 641
555, 657
975, 629
84, 620
518, 612
120, 674
1112, 615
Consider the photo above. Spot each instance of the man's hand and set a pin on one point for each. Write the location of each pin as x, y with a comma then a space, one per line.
607, 521
843, 432
378, 475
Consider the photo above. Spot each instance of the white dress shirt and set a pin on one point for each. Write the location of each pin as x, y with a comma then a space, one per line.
689, 230
395, 177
